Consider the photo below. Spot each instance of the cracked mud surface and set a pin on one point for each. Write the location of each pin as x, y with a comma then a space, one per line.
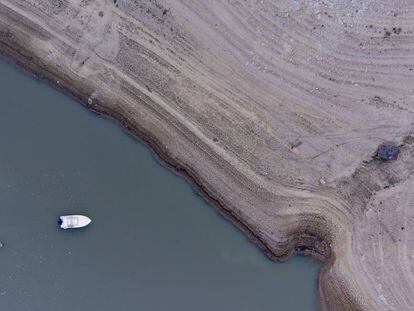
273, 110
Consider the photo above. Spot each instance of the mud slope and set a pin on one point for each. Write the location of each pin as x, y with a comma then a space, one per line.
273, 109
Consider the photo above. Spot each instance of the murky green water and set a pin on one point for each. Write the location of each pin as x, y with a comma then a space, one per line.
153, 243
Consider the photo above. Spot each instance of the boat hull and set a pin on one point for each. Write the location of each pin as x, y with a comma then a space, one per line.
74, 221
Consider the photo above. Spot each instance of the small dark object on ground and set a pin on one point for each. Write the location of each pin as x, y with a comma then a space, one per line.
387, 152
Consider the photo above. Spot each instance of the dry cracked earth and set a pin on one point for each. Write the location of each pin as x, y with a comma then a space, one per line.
272, 109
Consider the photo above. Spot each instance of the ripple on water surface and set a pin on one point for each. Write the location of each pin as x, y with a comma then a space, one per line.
153, 244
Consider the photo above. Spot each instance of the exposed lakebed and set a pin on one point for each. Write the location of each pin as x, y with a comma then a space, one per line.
153, 243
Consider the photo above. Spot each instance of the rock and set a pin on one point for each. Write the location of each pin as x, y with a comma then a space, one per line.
387, 152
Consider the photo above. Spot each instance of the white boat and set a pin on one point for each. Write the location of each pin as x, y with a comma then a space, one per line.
74, 221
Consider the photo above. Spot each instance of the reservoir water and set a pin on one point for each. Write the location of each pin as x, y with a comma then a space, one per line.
153, 243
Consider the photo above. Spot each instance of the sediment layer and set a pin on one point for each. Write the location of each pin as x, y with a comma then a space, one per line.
272, 110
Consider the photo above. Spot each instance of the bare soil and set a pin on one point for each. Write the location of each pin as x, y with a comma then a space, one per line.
273, 110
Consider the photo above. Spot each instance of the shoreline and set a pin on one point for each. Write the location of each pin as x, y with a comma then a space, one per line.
308, 245
166, 162
130, 129
277, 136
